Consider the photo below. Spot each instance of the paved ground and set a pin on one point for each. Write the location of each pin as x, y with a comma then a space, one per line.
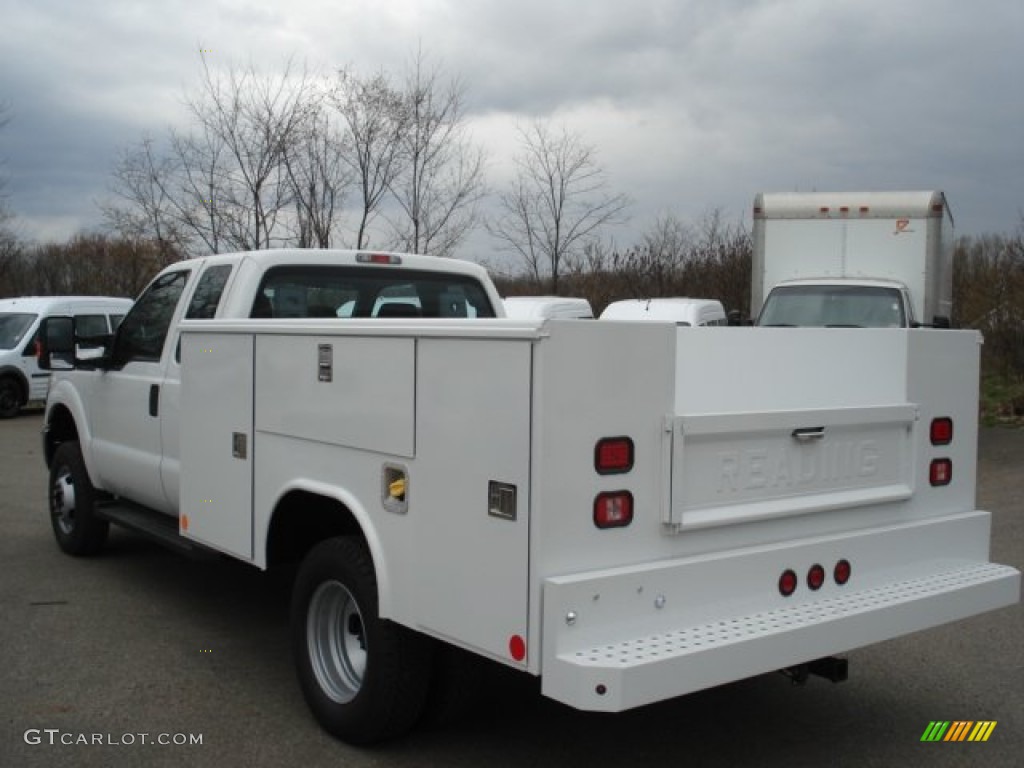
141, 641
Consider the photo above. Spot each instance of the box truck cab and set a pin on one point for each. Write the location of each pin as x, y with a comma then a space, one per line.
21, 380
681, 311
852, 259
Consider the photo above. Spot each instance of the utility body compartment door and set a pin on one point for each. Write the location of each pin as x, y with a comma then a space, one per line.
217, 441
782, 425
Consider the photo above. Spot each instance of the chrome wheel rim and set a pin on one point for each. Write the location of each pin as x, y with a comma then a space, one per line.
336, 639
62, 501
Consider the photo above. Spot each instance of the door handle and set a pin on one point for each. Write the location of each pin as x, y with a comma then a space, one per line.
807, 434
154, 400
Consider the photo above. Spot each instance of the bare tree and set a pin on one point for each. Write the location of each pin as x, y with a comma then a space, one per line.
259, 163
320, 175
442, 173
255, 119
150, 209
372, 112
557, 203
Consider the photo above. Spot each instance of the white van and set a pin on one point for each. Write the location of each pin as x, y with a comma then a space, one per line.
546, 307
681, 311
21, 381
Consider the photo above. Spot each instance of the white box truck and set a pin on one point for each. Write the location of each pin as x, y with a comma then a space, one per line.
852, 259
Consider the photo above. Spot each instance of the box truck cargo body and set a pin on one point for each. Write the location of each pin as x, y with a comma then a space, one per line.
860, 259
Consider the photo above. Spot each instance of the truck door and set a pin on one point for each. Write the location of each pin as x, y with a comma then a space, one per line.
202, 304
125, 413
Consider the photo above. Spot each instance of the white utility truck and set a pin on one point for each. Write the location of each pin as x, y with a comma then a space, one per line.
608, 506
852, 259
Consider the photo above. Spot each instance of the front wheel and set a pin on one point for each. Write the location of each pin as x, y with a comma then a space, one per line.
10, 398
365, 678
72, 503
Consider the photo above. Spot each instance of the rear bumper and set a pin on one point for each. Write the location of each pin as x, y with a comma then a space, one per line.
681, 643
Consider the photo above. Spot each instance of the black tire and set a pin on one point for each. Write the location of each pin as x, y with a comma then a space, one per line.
11, 398
364, 678
72, 503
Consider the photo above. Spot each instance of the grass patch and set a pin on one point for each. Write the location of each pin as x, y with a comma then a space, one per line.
1002, 401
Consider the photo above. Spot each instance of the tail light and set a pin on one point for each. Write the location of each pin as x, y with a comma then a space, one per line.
941, 432
940, 472
613, 455
613, 509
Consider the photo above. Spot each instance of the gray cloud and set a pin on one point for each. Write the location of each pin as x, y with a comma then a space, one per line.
691, 105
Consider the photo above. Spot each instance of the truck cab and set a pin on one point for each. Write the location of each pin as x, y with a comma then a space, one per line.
123, 403
838, 304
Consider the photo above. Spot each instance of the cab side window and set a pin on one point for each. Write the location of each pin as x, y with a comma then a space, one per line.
207, 295
143, 331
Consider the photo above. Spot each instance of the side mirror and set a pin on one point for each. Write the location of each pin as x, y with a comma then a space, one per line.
60, 348
55, 344
736, 318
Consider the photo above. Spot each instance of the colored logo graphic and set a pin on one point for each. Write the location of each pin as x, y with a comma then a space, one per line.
958, 730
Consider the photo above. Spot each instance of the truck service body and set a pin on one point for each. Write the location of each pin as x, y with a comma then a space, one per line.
607, 506
865, 259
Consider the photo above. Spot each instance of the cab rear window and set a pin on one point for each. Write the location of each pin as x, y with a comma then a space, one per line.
370, 292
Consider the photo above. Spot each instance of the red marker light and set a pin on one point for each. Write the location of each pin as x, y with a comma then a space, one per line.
517, 647
841, 573
378, 258
815, 577
788, 582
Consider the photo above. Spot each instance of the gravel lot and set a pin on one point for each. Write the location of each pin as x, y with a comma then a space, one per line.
143, 641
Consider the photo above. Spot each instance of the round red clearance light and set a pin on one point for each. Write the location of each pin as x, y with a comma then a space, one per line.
815, 577
517, 647
941, 432
788, 582
841, 573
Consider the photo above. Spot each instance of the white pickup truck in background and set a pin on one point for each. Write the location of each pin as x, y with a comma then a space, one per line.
630, 511
852, 259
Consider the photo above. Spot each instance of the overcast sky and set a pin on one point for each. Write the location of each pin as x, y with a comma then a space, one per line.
691, 105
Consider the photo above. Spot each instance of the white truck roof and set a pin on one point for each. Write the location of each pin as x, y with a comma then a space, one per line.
865, 205
544, 307
45, 304
679, 310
